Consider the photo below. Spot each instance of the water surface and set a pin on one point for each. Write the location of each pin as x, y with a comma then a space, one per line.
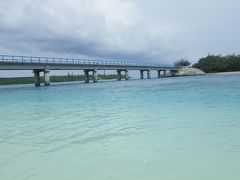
184, 128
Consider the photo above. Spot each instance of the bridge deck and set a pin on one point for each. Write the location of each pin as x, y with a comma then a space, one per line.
29, 63
45, 64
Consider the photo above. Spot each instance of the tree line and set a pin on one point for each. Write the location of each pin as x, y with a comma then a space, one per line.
29, 80
213, 63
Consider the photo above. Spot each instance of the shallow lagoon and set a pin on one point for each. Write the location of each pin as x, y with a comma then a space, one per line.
175, 128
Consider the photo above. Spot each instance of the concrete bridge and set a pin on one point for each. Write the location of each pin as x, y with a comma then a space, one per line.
45, 64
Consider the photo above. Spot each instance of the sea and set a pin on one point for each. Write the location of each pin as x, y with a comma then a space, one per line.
180, 128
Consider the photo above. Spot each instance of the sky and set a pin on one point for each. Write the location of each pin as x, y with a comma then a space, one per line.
159, 31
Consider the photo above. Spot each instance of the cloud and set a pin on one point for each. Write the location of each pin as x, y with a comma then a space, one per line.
154, 30
202, 27
99, 28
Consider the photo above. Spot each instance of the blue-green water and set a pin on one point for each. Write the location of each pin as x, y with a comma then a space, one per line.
170, 129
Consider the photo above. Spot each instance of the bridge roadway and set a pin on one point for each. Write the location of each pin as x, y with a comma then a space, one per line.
45, 64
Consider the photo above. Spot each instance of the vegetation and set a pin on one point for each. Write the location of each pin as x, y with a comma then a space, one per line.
182, 62
213, 64
29, 80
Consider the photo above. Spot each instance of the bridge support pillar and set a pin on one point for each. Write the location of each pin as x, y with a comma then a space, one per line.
86, 74
148, 74
159, 73
119, 76
46, 77
165, 73
36, 73
95, 78
126, 75
141, 74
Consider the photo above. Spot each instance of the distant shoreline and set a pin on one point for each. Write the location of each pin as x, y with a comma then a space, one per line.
69, 78
224, 73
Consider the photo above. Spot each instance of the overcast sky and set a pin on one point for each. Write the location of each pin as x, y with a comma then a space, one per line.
147, 30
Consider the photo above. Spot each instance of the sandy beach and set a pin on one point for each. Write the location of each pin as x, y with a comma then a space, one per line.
225, 73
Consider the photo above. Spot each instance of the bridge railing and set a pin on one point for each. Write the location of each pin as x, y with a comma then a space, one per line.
72, 61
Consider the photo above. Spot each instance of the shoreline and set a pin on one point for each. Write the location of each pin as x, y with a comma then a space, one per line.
54, 79
224, 73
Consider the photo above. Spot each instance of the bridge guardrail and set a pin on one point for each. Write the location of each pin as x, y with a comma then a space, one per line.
77, 61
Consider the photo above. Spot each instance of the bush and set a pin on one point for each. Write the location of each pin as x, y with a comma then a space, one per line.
182, 62
212, 63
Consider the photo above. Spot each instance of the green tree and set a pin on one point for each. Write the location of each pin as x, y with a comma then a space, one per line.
212, 63
182, 62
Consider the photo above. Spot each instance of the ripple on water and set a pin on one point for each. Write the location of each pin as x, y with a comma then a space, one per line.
150, 129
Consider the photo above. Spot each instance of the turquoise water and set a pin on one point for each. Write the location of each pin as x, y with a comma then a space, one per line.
170, 129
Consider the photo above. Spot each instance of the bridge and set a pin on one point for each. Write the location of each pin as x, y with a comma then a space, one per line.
45, 64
